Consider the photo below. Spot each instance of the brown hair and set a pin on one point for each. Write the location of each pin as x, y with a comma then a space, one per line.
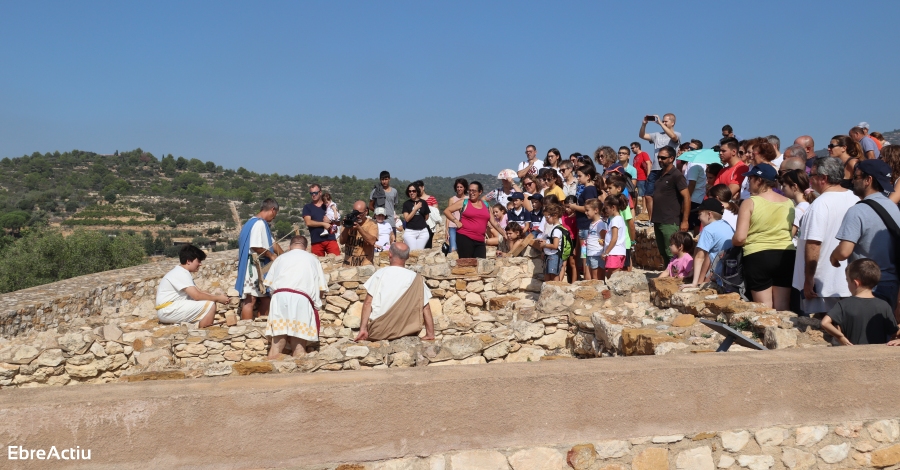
723, 195
865, 271
800, 179
852, 146
618, 202
514, 227
765, 149
499, 206
554, 210
891, 155
684, 240
593, 203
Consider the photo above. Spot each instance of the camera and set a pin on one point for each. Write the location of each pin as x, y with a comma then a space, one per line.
351, 218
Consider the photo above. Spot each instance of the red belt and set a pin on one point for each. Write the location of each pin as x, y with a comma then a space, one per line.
311, 303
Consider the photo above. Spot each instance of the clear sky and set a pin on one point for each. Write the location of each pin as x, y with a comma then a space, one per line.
432, 88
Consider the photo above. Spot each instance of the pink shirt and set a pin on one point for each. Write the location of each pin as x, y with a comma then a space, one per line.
474, 221
681, 267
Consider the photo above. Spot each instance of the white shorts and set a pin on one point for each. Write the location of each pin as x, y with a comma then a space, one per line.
183, 311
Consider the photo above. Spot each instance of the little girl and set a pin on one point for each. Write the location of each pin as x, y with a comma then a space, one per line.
795, 185
614, 242
723, 194
594, 243
568, 221
682, 264
331, 212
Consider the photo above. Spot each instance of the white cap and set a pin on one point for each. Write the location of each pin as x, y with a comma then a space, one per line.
864, 125
379, 211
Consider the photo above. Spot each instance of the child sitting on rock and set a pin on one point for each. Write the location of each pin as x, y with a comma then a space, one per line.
863, 318
682, 264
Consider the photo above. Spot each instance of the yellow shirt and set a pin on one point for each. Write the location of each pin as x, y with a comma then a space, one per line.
556, 191
770, 226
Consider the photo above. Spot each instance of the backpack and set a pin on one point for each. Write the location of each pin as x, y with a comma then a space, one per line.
565, 242
379, 196
732, 277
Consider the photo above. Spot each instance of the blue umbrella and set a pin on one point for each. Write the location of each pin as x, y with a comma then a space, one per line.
706, 156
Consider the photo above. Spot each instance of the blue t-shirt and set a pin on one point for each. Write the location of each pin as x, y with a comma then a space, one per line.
868, 144
863, 226
316, 214
581, 219
522, 218
715, 238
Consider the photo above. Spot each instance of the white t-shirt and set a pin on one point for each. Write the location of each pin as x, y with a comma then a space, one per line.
660, 140
173, 284
384, 235
538, 164
551, 231
799, 211
594, 247
331, 212
386, 293
697, 172
730, 218
821, 223
619, 248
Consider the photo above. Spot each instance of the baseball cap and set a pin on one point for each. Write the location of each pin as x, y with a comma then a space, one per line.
879, 170
536, 197
864, 125
712, 205
766, 172
379, 211
517, 195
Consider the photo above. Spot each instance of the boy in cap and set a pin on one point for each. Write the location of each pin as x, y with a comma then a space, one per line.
385, 231
715, 238
519, 215
536, 215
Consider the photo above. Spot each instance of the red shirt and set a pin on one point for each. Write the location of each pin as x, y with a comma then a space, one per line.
639, 164
732, 174
568, 221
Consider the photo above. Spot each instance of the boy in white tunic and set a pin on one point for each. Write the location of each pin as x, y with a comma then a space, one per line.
179, 300
296, 280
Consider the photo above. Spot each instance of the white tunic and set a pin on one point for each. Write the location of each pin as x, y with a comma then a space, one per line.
387, 285
258, 239
289, 313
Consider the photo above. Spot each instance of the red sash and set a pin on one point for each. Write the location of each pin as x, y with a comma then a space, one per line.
311, 303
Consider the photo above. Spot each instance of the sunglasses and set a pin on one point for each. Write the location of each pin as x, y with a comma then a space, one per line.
831, 146
412, 191
314, 193
529, 183
664, 158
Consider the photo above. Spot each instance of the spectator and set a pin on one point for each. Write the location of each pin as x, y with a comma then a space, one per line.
714, 238
616, 186
863, 318
870, 150
570, 183
359, 239
823, 285
536, 214
385, 196
473, 221
513, 243
593, 243
809, 145
712, 172
331, 212
530, 166
519, 215
764, 232
682, 264
762, 153
660, 140
385, 231
460, 186
432, 222
643, 165
795, 186
568, 221
775, 142
315, 216
178, 300
585, 175
849, 151
501, 194
415, 213
879, 139
696, 178
498, 214
865, 127
891, 155
607, 159
614, 250
721, 193
672, 203
630, 171
551, 242
863, 233
733, 173
553, 160
728, 133
531, 185
552, 183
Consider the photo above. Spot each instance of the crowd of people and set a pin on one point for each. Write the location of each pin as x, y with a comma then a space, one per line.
786, 229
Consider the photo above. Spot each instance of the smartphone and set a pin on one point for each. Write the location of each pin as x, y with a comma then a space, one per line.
650, 118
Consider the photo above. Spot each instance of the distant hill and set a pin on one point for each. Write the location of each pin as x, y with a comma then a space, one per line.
137, 191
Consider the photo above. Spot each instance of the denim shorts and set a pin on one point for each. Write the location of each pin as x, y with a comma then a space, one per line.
595, 262
641, 188
650, 186
552, 264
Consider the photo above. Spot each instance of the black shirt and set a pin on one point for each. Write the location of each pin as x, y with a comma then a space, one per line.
418, 220
317, 214
667, 208
581, 219
864, 321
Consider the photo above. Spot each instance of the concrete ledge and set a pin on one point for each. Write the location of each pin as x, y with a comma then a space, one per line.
294, 420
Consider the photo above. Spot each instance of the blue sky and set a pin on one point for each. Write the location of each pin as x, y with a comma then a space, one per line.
432, 88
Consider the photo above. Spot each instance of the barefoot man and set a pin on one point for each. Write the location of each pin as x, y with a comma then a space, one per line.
297, 284
397, 301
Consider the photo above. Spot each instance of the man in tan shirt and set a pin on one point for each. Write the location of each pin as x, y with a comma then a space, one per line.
359, 240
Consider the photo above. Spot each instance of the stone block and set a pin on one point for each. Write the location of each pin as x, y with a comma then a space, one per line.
501, 302
668, 439
612, 449
496, 351
474, 299
556, 340
608, 329
779, 338
247, 368
642, 341
771, 436
652, 458
111, 333
810, 435
461, 347
698, 458
216, 370
50, 358
582, 457
82, 371
72, 343
734, 441
526, 354
886, 457
834, 453
796, 459
538, 458
886, 430
479, 459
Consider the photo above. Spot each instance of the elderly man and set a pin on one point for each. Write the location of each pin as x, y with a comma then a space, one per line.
359, 239
256, 238
809, 145
869, 147
298, 283
822, 284
863, 233
397, 301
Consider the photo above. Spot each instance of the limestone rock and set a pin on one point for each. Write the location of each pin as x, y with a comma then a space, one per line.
146, 358
50, 358
24, 355
725, 461
623, 282
886, 457
556, 340
526, 354
454, 305
474, 299
809, 435
652, 458
612, 449
357, 351
215, 370
668, 347
111, 333
247, 368
796, 459
886, 430
153, 375
81, 359
413, 463
734, 441
496, 351
756, 462
402, 359
667, 439
834, 453
642, 341
8, 371
525, 330
684, 321
779, 338
698, 458
82, 371
771, 436
582, 457
608, 329
72, 343
479, 459
461, 347
539, 458
850, 430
